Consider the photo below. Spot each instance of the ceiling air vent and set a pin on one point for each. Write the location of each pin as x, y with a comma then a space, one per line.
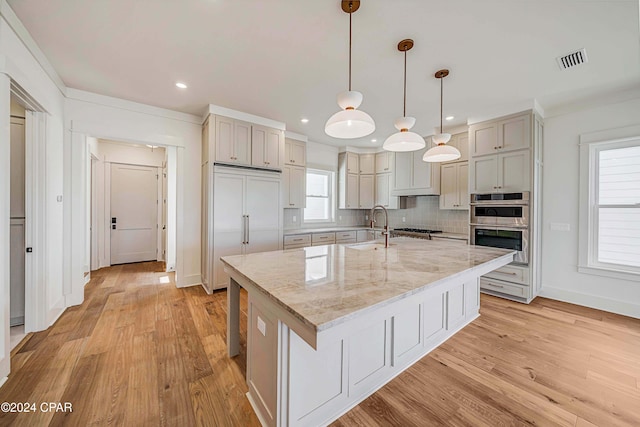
572, 59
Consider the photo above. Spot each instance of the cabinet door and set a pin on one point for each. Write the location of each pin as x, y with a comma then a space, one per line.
384, 162
352, 163
205, 140
484, 174
258, 146
228, 223
403, 167
382, 189
367, 163
462, 144
242, 142
352, 191
299, 154
366, 191
297, 187
449, 186
514, 171
263, 215
463, 185
273, 148
514, 133
224, 139
425, 175
483, 139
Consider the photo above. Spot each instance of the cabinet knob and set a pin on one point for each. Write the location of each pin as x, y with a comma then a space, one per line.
293, 161
495, 148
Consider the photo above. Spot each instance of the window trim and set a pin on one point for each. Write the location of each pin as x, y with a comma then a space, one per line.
332, 196
590, 146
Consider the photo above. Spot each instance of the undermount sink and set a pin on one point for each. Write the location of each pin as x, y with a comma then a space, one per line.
370, 246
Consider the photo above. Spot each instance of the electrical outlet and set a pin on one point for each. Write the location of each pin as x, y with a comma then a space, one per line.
340, 218
404, 219
295, 218
366, 217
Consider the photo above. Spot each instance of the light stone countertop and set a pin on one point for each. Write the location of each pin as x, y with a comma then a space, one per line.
323, 286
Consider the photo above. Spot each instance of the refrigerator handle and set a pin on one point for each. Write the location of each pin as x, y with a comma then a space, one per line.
247, 229
244, 229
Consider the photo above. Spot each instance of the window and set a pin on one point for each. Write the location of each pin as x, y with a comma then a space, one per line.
610, 230
319, 193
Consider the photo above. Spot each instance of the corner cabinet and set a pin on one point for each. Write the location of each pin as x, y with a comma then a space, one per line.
293, 186
415, 177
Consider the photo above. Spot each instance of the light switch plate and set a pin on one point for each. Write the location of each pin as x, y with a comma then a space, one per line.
404, 219
295, 218
560, 226
262, 327
59, 198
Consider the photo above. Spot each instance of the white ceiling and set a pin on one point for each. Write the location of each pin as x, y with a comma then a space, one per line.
286, 59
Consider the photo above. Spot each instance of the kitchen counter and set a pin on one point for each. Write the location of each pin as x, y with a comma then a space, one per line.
359, 280
329, 325
298, 231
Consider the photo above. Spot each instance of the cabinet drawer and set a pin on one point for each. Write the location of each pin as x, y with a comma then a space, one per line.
323, 238
298, 239
520, 291
295, 246
511, 273
346, 235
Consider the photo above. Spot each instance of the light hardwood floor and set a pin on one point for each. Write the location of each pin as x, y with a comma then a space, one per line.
141, 352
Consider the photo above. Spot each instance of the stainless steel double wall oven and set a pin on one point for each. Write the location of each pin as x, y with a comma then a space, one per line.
501, 220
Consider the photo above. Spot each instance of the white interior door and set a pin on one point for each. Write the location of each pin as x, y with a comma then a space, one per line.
263, 212
134, 205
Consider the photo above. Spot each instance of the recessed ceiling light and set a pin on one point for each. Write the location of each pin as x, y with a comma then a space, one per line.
374, 140
181, 85
304, 120
449, 118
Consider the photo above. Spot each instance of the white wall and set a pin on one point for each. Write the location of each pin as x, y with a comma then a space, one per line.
322, 156
560, 277
118, 152
115, 119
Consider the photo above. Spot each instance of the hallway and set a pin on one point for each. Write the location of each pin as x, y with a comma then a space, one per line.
138, 351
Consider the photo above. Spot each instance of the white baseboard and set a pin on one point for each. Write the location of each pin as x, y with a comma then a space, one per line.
3, 380
55, 313
624, 308
87, 278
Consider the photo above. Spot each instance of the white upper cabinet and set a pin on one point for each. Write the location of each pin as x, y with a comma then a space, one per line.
366, 193
294, 185
454, 186
508, 134
461, 142
352, 200
294, 152
384, 162
267, 147
367, 164
384, 186
501, 154
353, 163
415, 177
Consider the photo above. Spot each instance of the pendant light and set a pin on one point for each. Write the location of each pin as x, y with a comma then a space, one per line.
350, 122
404, 140
441, 152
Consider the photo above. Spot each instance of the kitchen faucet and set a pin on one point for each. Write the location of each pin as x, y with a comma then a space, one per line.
386, 222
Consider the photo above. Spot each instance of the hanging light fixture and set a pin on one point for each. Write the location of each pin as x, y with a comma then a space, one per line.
441, 152
349, 123
404, 140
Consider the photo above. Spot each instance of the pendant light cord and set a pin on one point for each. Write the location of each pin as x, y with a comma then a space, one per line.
404, 108
350, 7
441, 104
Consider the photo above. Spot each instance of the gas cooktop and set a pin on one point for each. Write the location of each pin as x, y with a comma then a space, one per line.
418, 230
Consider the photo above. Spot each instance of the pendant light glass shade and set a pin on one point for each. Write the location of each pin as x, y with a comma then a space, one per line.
404, 140
441, 152
349, 123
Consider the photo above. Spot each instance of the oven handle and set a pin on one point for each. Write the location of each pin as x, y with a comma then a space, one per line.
500, 227
499, 203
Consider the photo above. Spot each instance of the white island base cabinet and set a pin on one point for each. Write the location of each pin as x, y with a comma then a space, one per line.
301, 377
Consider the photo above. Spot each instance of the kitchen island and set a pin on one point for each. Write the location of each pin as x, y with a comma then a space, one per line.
329, 325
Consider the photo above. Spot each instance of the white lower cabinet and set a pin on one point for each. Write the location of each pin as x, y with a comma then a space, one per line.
352, 358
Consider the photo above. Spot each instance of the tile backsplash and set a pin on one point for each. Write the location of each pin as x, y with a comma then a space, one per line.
421, 211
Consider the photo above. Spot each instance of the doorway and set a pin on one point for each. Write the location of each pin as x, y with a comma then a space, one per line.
126, 211
17, 210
